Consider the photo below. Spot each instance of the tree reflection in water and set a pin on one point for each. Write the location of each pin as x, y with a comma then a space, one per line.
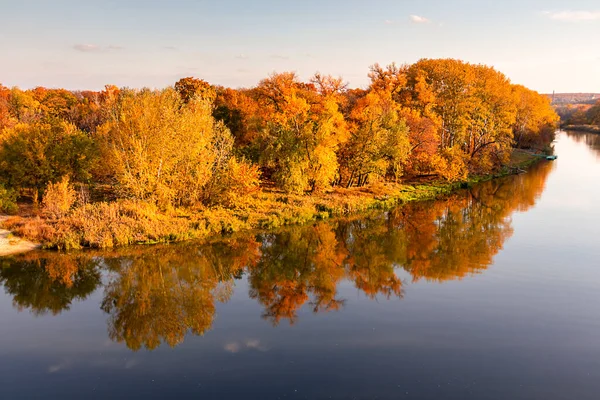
592, 140
158, 294
48, 282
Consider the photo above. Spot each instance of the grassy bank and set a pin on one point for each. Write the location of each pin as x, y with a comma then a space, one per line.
125, 222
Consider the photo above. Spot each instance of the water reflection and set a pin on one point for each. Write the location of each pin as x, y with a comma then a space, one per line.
296, 265
159, 294
592, 140
50, 282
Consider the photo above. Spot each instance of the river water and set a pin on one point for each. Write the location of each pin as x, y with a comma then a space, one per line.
493, 293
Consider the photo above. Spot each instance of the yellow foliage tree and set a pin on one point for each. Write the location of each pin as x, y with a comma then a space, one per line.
160, 148
535, 119
379, 143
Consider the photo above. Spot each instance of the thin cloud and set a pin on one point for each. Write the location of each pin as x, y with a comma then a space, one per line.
94, 48
86, 47
417, 19
279, 57
170, 48
242, 57
573, 16
388, 22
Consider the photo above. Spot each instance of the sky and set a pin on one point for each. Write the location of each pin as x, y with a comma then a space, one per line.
546, 45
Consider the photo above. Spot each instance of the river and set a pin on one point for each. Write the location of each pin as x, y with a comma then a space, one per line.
492, 293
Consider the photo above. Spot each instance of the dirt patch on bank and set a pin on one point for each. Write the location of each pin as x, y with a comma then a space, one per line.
10, 244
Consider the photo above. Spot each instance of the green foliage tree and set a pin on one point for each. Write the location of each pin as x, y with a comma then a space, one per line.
8, 200
32, 155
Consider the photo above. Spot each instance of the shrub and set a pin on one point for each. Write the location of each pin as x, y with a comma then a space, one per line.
59, 198
238, 179
8, 201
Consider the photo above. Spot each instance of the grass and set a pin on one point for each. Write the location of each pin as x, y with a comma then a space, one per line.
126, 222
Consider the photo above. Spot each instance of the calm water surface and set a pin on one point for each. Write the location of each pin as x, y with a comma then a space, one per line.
493, 293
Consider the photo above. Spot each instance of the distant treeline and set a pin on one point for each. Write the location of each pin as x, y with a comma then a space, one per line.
581, 115
196, 143
573, 98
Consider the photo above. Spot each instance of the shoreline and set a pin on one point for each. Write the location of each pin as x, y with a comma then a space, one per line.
582, 128
10, 245
108, 225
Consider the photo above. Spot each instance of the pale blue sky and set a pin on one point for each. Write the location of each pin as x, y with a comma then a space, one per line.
544, 44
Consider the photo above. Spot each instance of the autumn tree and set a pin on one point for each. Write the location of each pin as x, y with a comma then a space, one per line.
593, 114
56, 103
24, 106
391, 79
160, 148
6, 119
424, 142
239, 111
441, 90
378, 144
489, 136
195, 89
535, 120
302, 129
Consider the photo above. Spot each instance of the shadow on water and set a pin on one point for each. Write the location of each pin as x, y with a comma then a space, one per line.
155, 295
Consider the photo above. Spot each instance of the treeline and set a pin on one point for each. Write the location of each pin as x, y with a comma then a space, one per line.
579, 114
196, 143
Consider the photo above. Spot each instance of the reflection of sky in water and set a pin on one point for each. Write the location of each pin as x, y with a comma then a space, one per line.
527, 327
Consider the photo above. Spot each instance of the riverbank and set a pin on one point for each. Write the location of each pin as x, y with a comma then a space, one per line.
126, 222
582, 128
10, 244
